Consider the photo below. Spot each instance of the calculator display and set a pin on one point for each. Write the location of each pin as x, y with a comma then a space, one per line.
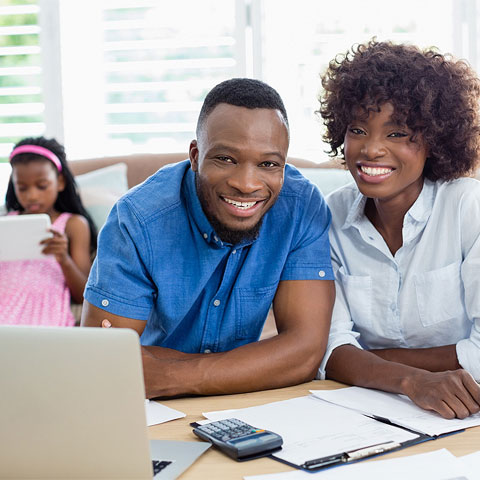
256, 439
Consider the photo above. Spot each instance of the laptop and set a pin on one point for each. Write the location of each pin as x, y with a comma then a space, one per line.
72, 405
21, 236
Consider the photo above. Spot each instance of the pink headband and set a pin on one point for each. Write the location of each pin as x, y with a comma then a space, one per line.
44, 152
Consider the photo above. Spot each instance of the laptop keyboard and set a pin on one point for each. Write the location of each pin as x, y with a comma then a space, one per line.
159, 465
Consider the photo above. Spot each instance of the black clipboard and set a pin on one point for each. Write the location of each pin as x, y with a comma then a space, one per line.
357, 455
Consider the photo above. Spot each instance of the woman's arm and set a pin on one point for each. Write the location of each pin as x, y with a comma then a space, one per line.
449, 393
433, 359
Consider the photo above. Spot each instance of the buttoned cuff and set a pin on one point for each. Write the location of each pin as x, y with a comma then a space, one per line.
335, 341
307, 272
468, 354
116, 305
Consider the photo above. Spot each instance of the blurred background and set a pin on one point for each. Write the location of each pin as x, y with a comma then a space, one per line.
108, 77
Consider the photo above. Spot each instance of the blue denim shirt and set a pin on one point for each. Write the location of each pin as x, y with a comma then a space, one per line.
159, 260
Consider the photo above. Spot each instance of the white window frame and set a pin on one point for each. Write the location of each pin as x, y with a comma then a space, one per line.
49, 22
65, 98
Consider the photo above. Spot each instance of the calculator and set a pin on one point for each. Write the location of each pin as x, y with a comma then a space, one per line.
238, 439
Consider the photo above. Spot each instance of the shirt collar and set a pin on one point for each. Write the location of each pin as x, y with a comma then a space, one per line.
419, 212
422, 208
356, 212
198, 216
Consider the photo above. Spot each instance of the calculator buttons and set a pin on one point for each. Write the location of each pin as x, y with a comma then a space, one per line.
238, 439
226, 430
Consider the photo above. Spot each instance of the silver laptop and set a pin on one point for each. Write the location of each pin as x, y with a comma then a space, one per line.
72, 406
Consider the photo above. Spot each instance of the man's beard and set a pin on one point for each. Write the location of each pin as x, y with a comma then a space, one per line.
234, 237
224, 233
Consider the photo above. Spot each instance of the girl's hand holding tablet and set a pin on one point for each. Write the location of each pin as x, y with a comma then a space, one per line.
57, 246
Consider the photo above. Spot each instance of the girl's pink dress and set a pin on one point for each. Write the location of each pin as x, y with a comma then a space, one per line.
34, 292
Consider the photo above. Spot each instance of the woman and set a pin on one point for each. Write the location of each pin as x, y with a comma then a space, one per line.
406, 236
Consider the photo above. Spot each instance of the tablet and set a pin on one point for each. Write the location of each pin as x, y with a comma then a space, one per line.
20, 236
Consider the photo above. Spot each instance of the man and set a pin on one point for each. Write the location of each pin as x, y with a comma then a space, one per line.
193, 258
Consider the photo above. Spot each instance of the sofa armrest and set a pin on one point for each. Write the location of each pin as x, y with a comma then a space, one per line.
139, 166
302, 163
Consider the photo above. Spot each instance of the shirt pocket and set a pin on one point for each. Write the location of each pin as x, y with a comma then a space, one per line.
359, 297
252, 310
439, 294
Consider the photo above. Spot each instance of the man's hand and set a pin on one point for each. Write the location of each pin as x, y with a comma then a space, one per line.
452, 394
151, 366
154, 360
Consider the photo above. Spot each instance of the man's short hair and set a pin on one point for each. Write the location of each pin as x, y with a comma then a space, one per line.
242, 92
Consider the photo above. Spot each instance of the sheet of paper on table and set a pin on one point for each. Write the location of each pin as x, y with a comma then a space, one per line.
472, 464
399, 409
313, 429
158, 413
437, 465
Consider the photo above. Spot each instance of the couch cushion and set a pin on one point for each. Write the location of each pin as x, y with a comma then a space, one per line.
139, 166
100, 189
327, 179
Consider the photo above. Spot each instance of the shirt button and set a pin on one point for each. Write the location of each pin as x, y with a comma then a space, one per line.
216, 302
207, 350
105, 302
205, 236
215, 238
234, 252
393, 307
321, 273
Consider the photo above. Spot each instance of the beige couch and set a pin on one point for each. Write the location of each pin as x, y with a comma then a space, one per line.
142, 165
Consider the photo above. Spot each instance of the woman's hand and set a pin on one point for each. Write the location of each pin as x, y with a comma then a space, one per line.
452, 394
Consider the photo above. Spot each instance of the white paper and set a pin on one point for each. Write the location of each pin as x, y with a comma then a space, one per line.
472, 464
158, 413
313, 429
397, 408
437, 465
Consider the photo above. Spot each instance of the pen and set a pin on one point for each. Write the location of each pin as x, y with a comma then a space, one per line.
350, 456
324, 461
372, 450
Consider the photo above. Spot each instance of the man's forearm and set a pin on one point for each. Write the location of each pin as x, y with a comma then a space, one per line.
276, 362
434, 359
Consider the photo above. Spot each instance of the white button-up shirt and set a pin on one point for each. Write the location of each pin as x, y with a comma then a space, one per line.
428, 293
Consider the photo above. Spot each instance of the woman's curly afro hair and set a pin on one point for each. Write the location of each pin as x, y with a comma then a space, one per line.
434, 95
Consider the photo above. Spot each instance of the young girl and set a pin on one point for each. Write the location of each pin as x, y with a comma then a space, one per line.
406, 236
38, 292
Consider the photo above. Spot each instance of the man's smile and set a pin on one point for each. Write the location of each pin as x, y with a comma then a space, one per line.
242, 208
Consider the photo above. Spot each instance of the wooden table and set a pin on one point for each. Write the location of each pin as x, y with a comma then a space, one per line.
214, 465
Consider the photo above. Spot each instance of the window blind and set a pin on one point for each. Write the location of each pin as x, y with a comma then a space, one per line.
21, 97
